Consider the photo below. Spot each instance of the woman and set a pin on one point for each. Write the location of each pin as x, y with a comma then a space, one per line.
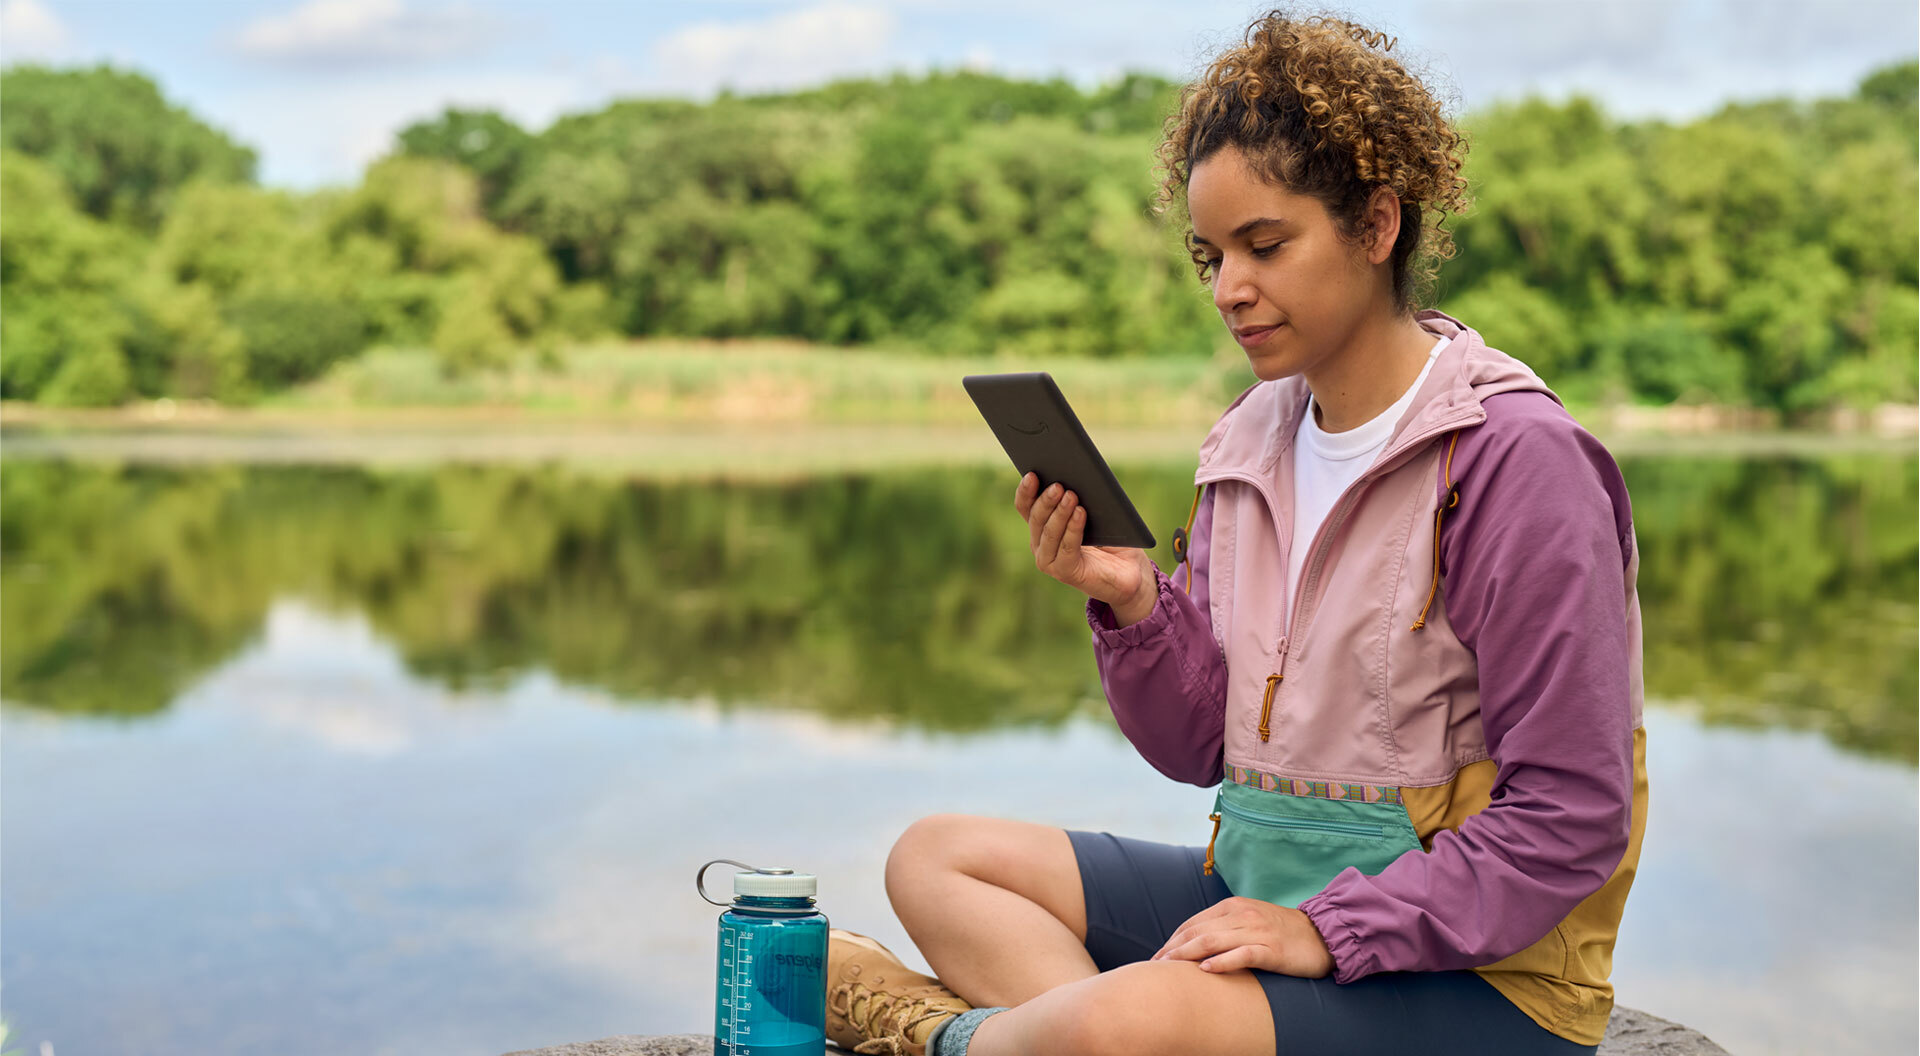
1406, 645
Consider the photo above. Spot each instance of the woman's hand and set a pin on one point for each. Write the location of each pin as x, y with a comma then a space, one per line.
1056, 522
1248, 933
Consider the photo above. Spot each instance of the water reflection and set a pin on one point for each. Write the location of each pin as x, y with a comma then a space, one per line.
316, 850
1777, 592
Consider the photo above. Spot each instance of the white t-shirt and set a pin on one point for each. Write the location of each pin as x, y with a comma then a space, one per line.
1325, 463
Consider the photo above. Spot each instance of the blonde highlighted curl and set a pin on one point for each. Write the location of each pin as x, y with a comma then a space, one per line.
1319, 108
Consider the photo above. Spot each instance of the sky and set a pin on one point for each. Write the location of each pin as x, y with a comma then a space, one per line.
319, 87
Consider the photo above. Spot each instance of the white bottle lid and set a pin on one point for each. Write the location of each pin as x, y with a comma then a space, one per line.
775, 883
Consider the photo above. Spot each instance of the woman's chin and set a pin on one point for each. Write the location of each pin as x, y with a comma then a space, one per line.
1272, 359
1272, 368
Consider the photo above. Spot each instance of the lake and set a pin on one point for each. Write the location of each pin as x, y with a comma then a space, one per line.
321, 755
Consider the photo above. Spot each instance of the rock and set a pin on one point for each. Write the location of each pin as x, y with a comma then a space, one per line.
1629, 1033
634, 1045
1634, 1033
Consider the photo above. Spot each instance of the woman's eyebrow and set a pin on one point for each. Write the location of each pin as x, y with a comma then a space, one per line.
1244, 228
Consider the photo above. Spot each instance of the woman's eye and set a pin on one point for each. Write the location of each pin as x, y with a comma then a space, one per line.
1266, 251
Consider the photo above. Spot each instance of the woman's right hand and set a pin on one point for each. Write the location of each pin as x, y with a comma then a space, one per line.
1121, 576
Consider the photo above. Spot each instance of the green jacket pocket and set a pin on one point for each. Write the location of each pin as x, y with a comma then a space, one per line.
1284, 849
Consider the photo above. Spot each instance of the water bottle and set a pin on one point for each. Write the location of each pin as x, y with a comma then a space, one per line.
771, 976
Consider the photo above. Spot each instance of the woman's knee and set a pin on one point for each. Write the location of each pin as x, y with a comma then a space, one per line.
927, 846
1118, 1015
1035, 861
1159, 1007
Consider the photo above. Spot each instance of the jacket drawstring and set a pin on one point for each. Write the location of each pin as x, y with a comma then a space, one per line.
1452, 500
1207, 868
1182, 535
1266, 707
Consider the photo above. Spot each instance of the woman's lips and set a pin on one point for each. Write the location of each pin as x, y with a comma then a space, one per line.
1250, 338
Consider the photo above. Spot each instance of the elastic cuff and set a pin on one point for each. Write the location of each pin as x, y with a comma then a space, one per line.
1339, 936
951, 1037
1100, 617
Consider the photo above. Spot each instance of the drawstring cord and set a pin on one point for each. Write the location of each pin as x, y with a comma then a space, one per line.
1206, 869
1452, 500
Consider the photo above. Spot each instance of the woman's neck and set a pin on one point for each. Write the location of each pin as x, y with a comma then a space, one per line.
1374, 370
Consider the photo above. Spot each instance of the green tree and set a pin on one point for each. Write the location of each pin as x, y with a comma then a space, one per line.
446, 275
119, 145
488, 144
64, 278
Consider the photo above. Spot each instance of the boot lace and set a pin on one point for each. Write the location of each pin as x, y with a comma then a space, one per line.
888, 1019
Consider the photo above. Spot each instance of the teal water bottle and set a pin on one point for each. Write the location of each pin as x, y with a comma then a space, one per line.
770, 979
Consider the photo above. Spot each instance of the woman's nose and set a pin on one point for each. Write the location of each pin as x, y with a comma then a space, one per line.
1231, 287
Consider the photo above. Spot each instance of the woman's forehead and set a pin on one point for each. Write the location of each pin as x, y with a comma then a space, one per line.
1227, 199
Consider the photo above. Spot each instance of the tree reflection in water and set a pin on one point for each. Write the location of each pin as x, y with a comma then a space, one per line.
1776, 592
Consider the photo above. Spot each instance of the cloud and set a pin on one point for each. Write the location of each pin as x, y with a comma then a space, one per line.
309, 138
30, 31
1671, 58
346, 33
790, 50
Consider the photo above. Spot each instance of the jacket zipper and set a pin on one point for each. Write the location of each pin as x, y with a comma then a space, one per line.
1316, 553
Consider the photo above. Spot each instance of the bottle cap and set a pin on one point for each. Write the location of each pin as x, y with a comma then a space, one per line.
775, 883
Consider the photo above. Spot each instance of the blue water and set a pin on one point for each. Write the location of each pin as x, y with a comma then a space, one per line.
313, 851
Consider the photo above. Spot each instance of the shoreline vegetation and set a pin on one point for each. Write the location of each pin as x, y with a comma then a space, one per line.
669, 409
1761, 256
766, 383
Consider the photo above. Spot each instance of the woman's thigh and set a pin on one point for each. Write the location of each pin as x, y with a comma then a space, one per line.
1147, 1008
1137, 893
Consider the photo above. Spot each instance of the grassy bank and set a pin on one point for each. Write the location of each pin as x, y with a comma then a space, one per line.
768, 381
683, 384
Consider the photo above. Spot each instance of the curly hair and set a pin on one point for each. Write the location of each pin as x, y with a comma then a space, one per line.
1319, 108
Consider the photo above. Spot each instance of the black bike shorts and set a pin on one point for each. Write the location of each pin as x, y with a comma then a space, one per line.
1139, 892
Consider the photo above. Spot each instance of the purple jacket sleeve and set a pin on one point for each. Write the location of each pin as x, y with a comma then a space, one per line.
1534, 559
1165, 677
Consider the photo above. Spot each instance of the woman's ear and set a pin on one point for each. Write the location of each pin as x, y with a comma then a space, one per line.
1383, 224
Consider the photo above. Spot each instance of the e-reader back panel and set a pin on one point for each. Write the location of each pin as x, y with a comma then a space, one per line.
1034, 424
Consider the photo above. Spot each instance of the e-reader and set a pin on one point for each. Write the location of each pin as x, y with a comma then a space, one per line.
1040, 433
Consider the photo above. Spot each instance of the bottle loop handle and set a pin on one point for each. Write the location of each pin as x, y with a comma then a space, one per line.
700, 878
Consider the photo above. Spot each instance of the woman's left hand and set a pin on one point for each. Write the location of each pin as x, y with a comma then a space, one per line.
1248, 933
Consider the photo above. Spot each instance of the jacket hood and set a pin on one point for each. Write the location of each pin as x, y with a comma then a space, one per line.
1259, 426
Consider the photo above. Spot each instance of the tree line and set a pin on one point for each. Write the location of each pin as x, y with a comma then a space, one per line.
1763, 255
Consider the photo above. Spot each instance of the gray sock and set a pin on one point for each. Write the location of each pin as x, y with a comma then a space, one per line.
951, 1038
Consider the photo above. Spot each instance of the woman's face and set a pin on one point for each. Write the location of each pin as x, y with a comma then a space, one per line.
1278, 263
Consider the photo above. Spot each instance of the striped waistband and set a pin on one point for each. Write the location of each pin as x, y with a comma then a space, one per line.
1294, 786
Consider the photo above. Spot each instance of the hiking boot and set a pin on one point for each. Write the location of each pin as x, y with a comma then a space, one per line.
877, 1005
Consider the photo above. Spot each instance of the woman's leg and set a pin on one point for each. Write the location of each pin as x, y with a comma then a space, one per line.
994, 905
998, 909
1140, 1009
